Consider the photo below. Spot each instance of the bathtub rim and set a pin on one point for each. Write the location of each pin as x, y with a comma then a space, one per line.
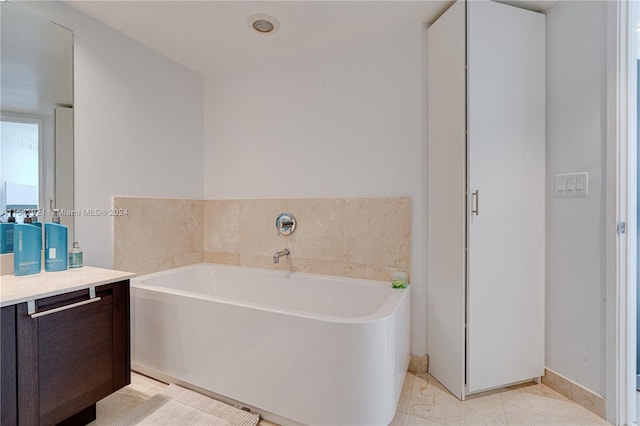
388, 308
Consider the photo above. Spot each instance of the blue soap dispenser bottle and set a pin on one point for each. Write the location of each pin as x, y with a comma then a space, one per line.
55, 245
6, 234
27, 246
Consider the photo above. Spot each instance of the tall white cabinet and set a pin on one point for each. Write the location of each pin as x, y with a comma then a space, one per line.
486, 196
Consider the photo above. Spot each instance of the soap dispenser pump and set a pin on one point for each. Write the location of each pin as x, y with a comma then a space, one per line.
33, 220
55, 245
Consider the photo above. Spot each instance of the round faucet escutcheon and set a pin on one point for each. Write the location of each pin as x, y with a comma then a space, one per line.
285, 223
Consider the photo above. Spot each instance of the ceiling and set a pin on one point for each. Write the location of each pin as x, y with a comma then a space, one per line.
213, 36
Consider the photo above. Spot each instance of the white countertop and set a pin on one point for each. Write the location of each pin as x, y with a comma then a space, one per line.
18, 289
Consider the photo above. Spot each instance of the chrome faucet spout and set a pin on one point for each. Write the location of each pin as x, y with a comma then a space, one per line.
277, 255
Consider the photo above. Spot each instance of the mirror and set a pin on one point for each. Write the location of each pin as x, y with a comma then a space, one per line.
36, 117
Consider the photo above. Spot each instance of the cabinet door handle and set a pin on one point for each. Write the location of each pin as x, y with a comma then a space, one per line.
64, 308
476, 199
31, 305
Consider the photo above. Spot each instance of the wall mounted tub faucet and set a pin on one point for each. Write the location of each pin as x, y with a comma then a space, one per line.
277, 255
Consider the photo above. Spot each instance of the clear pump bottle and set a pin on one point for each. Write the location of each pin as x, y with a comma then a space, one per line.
75, 256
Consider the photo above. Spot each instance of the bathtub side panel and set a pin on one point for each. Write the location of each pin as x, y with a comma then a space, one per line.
310, 371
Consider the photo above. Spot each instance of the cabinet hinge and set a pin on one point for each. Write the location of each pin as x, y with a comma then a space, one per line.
622, 228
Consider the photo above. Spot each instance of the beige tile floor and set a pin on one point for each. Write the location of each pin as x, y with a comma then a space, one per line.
424, 401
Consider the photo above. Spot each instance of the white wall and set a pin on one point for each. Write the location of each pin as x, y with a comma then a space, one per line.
138, 124
576, 131
339, 121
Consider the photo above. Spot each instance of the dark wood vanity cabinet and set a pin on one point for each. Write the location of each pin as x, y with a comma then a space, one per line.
58, 365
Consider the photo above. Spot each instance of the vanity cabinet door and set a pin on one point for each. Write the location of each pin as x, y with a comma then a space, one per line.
73, 357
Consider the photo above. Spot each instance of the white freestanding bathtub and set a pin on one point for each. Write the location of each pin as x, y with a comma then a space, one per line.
306, 348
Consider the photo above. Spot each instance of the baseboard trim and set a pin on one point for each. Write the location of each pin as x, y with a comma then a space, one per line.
419, 364
578, 394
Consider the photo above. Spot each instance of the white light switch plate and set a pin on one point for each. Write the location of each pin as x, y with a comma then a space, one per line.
571, 185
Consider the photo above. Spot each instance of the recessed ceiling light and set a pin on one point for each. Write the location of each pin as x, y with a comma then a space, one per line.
263, 24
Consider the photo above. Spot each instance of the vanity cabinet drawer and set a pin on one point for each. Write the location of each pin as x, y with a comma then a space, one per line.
73, 352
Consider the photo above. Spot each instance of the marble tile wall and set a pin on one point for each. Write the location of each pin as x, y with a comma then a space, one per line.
352, 237
157, 234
